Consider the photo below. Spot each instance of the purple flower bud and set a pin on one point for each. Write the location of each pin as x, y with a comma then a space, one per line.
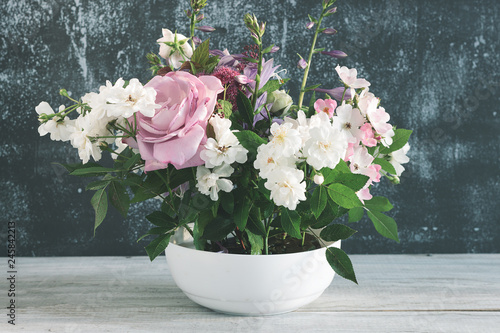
188, 13
336, 93
200, 17
243, 79
309, 25
196, 40
332, 10
205, 28
330, 31
335, 54
274, 49
302, 63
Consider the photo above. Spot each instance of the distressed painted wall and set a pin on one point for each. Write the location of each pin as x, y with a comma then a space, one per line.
434, 63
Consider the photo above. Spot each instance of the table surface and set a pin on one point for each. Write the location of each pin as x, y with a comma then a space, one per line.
396, 293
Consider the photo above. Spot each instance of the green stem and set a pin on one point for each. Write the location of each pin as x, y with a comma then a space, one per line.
311, 52
255, 94
303, 238
193, 21
189, 230
266, 240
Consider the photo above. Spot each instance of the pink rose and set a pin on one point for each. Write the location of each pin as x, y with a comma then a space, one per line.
177, 132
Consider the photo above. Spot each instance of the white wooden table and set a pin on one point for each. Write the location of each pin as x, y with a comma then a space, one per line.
396, 293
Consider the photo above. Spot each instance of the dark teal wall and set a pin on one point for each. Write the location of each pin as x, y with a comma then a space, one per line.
433, 63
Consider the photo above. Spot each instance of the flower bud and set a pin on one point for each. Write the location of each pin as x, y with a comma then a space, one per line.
329, 31
281, 102
200, 17
197, 41
309, 25
188, 13
302, 63
274, 49
63, 92
319, 179
335, 54
205, 28
332, 10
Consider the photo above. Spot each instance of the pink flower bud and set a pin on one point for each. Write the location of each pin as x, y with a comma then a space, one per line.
205, 28
197, 41
243, 79
302, 63
274, 49
335, 54
329, 31
332, 10
309, 25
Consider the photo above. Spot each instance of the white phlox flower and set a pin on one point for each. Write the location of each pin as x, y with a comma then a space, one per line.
285, 140
267, 162
59, 129
349, 77
124, 102
348, 121
287, 187
174, 47
325, 147
81, 139
225, 148
211, 182
398, 157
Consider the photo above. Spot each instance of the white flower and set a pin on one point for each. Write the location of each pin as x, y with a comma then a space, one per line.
225, 148
287, 187
398, 157
361, 163
281, 101
267, 162
325, 147
211, 182
81, 139
57, 127
174, 47
379, 120
349, 77
124, 102
285, 140
348, 121
301, 124
366, 99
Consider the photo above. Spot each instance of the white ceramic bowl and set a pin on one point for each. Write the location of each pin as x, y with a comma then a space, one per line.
250, 284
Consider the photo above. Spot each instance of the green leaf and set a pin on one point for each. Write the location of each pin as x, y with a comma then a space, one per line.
131, 161
290, 221
100, 204
218, 229
227, 201
379, 204
161, 219
91, 172
267, 49
385, 164
312, 19
255, 226
312, 87
226, 108
256, 242
245, 108
255, 61
385, 225
241, 211
356, 214
343, 196
335, 232
272, 85
97, 185
201, 54
157, 246
119, 197
331, 174
76, 166
318, 200
250, 141
311, 112
354, 181
154, 231
340, 263
399, 139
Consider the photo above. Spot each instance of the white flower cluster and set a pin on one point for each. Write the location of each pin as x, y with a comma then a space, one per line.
219, 153
113, 103
317, 140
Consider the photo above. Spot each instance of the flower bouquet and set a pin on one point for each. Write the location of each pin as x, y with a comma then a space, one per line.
235, 162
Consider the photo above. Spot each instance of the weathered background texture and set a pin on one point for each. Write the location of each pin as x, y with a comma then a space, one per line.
435, 64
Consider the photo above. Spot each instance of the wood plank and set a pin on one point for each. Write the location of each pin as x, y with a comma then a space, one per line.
396, 293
